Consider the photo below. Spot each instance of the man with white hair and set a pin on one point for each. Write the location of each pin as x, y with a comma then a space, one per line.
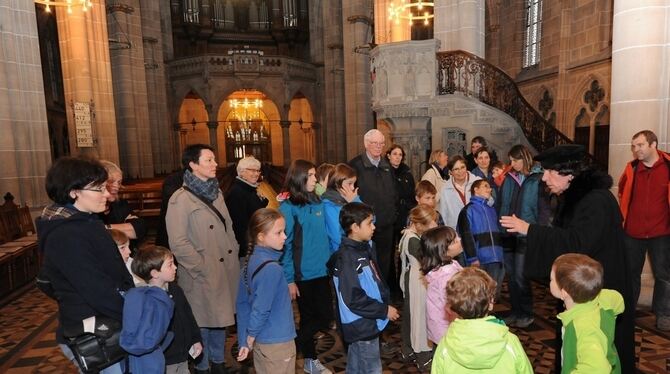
376, 187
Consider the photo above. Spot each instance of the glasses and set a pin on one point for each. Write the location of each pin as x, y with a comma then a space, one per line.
101, 189
254, 170
377, 144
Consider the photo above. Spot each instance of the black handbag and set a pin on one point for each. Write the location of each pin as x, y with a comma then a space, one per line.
100, 349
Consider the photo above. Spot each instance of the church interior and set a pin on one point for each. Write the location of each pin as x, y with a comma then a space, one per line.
136, 81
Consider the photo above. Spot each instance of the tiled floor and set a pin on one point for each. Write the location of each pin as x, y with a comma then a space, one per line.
27, 342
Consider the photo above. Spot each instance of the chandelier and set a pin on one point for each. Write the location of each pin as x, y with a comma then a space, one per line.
411, 11
85, 4
247, 113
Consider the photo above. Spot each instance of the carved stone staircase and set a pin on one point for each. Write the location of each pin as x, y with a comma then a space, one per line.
432, 100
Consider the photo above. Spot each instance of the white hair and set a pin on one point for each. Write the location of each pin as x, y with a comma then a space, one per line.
111, 167
372, 133
247, 162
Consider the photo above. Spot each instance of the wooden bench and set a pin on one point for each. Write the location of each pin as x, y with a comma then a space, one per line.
19, 256
144, 203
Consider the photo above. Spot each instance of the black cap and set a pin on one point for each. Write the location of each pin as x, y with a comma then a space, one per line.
561, 155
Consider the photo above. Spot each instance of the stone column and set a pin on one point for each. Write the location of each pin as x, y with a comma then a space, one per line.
130, 88
286, 141
640, 98
213, 141
334, 128
356, 29
413, 134
459, 24
87, 76
24, 144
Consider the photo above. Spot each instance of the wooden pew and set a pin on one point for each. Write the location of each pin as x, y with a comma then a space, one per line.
19, 257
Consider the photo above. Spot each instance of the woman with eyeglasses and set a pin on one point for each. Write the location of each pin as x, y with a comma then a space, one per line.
243, 199
118, 215
81, 261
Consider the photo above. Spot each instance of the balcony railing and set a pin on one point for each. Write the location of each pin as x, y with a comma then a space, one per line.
472, 76
242, 64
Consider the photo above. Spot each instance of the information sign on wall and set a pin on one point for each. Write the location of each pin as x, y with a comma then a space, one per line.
82, 121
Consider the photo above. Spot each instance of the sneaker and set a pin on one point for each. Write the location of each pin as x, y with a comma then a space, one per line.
407, 357
663, 323
510, 320
524, 322
315, 367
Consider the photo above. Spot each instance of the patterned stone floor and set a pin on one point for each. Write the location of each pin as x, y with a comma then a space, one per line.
28, 322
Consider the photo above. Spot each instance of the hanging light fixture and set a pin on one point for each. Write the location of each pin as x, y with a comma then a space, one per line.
84, 4
411, 11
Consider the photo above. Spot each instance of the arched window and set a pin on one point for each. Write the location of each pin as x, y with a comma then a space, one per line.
533, 33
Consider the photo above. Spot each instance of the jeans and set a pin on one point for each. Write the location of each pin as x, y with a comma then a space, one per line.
659, 257
497, 271
213, 347
114, 369
364, 357
520, 292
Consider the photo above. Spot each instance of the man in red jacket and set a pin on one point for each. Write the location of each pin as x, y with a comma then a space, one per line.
645, 206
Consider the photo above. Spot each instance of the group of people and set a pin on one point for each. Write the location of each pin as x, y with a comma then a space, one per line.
343, 227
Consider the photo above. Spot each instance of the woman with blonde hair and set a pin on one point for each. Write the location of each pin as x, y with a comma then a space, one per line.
435, 174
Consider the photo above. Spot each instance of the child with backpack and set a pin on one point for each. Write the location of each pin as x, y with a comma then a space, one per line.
264, 314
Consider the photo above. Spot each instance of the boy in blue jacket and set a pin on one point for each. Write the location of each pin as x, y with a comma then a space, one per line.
363, 297
147, 311
480, 233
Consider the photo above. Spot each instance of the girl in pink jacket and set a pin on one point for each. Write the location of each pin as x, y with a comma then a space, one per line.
440, 246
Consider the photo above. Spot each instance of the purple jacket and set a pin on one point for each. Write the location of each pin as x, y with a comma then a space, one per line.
436, 300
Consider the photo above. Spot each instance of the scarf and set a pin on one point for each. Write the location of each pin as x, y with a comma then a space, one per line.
208, 189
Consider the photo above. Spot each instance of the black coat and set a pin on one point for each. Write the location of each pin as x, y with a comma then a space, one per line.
588, 221
85, 268
183, 325
118, 212
404, 182
171, 184
376, 187
242, 201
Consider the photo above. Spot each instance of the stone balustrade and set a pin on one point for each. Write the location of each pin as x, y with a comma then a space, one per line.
242, 64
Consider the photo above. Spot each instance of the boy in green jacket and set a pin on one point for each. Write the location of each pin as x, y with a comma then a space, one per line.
590, 315
475, 341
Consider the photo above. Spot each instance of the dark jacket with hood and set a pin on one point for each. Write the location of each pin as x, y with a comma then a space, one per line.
83, 264
242, 201
362, 296
404, 183
588, 221
377, 188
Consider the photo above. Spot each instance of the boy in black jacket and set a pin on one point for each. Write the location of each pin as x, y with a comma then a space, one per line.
363, 297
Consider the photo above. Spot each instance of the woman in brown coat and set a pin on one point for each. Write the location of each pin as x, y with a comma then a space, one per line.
201, 237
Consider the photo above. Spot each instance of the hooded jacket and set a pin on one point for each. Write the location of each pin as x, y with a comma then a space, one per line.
306, 247
264, 308
362, 296
332, 205
83, 264
479, 229
482, 345
588, 335
146, 316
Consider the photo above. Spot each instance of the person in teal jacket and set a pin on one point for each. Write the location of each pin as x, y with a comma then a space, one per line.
590, 316
341, 190
305, 255
475, 341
